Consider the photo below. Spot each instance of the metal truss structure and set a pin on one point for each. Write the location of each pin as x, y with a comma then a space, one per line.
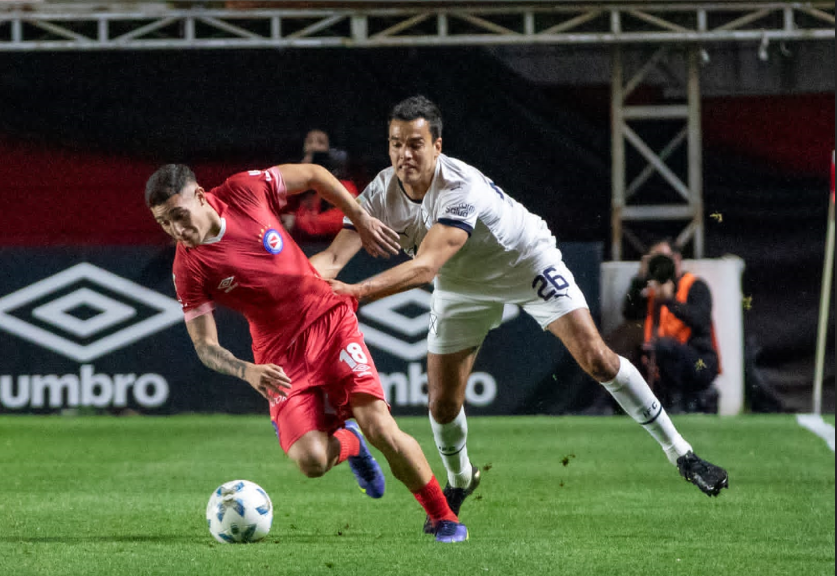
685, 203
666, 25
162, 25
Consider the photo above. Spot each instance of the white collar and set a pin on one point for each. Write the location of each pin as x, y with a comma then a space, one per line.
217, 237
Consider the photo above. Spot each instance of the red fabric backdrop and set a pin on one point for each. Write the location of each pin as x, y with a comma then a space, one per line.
794, 133
55, 196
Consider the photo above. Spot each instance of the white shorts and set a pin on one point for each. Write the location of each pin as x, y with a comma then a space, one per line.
546, 291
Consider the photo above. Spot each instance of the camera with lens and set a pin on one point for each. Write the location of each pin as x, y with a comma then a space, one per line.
334, 160
661, 268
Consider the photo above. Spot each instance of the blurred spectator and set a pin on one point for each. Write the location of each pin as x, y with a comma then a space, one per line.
679, 348
315, 141
312, 218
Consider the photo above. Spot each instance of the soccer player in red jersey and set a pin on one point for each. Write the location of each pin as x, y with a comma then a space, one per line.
311, 362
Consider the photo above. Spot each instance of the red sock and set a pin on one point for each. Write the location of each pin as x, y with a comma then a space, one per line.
349, 444
433, 501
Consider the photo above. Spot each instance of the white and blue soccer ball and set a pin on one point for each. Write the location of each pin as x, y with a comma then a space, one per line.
239, 511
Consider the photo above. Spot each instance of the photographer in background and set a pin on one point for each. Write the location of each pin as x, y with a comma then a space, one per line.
311, 218
679, 345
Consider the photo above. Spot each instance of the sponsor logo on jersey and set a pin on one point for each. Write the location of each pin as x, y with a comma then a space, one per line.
272, 241
362, 369
462, 210
228, 284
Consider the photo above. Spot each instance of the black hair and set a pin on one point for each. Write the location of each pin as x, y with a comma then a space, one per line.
166, 182
670, 241
416, 107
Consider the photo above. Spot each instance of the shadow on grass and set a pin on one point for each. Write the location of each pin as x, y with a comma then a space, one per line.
145, 538
95, 538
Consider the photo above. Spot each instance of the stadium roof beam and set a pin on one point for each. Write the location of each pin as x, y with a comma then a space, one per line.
53, 26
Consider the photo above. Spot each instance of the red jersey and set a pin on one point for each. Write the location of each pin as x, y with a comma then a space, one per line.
254, 267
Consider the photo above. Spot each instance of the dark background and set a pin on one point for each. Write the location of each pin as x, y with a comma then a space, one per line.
80, 133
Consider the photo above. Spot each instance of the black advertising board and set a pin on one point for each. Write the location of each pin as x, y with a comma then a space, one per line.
98, 329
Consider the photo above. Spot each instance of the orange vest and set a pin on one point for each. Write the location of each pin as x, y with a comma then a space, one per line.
671, 326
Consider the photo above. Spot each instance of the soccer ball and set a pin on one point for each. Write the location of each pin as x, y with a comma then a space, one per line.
239, 511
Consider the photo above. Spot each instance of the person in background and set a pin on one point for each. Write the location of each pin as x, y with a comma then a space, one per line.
315, 141
679, 347
311, 218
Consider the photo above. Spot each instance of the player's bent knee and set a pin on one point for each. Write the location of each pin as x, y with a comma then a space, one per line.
313, 466
311, 458
601, 364
383, 433
444, 410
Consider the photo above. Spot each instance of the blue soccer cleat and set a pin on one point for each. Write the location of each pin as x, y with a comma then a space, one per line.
448, 531
365, 467
455, 497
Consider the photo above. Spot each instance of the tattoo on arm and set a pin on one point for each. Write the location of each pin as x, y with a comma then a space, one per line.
221, 360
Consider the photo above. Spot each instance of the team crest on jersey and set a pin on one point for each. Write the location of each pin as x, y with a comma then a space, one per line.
462, 210
272, 240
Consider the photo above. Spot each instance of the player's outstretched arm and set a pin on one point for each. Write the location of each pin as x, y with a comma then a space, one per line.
268, 380
331, 261
377, 238
440, 244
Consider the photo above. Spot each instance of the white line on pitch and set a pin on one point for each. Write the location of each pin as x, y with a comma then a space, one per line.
818, 426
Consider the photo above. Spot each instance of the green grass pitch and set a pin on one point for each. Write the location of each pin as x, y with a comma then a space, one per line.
560, 495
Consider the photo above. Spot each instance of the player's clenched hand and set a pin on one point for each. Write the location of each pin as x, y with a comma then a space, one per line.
343, 289
377, 238
269, 380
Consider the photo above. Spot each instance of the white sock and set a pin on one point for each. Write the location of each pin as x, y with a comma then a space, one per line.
450, 440
632, 393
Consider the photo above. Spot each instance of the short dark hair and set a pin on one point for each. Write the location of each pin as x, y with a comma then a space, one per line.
668, 240
416, 107
166, 182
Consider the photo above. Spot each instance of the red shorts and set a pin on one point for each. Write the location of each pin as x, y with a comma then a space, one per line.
327, 365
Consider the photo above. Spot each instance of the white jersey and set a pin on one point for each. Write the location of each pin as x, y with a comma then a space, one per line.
505, 238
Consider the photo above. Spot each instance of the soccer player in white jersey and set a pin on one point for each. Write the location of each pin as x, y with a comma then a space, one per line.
482, 249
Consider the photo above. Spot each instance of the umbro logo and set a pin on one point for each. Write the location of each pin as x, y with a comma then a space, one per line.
86, 312
362, 369
228, 284
399, 323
